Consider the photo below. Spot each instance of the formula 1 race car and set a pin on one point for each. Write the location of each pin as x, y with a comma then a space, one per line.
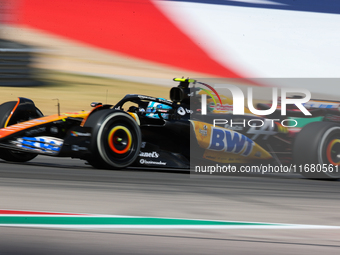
156, 132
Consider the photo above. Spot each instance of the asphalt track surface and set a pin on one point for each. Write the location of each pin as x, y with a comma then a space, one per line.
66, 185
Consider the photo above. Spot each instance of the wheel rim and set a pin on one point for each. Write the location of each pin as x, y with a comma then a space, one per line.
333, 152
329, 149
120, 140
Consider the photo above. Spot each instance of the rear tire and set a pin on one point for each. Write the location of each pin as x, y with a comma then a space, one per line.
116, 139
317, 148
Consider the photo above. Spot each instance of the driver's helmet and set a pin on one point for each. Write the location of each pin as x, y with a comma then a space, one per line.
155, 109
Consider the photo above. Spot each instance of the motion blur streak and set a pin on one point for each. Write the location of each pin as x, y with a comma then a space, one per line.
67, 185
136, 28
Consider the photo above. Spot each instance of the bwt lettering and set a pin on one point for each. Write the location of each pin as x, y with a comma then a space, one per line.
228, 141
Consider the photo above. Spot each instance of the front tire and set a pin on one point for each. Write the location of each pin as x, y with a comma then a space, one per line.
9, 155
317, 149
15, 156
116, 139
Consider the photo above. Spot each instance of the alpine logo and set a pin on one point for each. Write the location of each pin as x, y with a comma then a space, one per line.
149, 154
